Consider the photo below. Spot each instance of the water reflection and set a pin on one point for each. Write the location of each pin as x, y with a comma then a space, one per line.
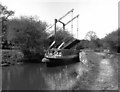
38, 77
22, 77
65, 78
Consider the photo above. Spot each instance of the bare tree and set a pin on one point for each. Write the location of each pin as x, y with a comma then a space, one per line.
91, 35
4, 15
4, 12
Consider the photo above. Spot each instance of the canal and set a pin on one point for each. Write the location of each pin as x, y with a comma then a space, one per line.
96, 73
36, 76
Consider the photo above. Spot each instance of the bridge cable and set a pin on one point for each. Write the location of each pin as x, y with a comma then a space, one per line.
77, 25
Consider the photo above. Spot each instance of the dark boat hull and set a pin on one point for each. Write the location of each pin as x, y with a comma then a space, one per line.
53, 62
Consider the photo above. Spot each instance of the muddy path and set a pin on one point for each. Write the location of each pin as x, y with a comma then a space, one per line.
106, 78
102, 73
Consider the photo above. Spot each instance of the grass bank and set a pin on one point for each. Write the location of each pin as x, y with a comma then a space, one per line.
11, 57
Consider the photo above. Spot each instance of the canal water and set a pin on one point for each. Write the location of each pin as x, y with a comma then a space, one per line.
36, 76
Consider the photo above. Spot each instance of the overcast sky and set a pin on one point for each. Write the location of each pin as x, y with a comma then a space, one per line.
100, 16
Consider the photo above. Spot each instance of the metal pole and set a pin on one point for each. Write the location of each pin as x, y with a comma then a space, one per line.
72, 19
66, 14
60, 18
55, 28
63, 27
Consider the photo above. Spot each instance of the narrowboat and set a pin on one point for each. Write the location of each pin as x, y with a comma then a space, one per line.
62, 56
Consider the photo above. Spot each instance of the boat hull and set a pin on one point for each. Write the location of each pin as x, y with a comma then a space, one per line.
53, 62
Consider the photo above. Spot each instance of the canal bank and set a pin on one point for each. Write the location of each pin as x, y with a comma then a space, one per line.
36, 76
11, 57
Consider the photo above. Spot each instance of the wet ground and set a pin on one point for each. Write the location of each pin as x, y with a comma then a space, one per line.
95, 72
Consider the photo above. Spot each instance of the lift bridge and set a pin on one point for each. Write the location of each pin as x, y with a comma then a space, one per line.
71, 43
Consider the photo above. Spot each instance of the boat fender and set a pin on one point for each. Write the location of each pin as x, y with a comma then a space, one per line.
45, 60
